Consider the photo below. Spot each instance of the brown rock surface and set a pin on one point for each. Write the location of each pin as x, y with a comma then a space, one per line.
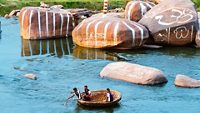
197, 40
185, 81
135, 10
43, 23
172, 22
133, 73
107, 31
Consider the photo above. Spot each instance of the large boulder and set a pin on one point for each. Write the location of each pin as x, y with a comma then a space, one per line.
43, 23
133, 73
172, 22
197, 40
104, 31
185, 81
135, 10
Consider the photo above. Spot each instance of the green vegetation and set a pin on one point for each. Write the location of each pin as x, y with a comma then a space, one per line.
7, 6
197, 4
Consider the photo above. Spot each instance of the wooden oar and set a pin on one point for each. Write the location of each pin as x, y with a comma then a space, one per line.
68, 99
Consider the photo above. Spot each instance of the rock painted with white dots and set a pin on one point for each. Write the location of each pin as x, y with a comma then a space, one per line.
135, 10
104, 31
172, 22
44, 23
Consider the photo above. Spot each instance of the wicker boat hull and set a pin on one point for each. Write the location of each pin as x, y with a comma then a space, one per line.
98, 99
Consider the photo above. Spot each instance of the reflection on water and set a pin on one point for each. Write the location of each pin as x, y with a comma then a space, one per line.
88, 53
57, 47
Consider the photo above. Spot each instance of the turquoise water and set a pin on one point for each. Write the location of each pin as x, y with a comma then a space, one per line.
60, 66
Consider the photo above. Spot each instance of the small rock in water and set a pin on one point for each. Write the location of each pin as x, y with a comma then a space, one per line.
30, 76
187, 82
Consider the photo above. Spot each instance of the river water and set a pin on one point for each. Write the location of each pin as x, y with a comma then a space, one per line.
60, 66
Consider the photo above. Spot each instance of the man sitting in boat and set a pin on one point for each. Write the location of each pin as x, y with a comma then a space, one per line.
87, 93
109, 96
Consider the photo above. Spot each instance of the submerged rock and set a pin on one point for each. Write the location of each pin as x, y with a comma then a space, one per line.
30, 76
43, 23
105, 31
135, 10
172, 22
133, 73
185, 81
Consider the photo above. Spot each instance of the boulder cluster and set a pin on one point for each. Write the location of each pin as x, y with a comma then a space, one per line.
171, 23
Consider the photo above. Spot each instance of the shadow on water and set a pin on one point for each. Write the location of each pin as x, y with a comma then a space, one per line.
109, 109
55, 47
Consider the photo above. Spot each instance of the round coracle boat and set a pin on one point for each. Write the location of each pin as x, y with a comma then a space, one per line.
98, 99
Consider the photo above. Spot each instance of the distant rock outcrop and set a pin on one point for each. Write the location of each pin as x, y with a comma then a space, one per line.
172, 22
133, 73
185, 81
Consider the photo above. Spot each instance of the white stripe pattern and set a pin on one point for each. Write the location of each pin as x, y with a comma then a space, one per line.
40, 47
133, 33
48, 49
143, 8
61, 43
87, 31
23, 18
54, 45
30, 48
150, 6
95, 32
30, 20
105, 32
54, 25
47, 24
39, 23
115, 33
61, 24
68, 47
141, 32
67, 27
130, 9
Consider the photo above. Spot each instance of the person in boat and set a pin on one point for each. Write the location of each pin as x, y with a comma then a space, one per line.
87, 93
109, 96
76, 93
